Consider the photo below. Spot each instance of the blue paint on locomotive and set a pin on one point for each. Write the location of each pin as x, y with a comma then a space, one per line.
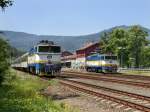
97, 62
47, 67
52, 67
94, 57
37, 67
101, 68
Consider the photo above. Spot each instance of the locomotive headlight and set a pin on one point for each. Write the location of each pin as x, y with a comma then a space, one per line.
37, 58
103, 62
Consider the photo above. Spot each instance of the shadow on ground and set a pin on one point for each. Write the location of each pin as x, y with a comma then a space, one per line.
59, 97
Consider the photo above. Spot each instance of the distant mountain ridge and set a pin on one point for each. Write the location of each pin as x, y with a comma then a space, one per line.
25, 41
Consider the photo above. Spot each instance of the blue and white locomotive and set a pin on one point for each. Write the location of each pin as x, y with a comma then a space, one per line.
101, 63
43, 58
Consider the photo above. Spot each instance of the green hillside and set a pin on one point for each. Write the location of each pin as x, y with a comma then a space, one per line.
25, 41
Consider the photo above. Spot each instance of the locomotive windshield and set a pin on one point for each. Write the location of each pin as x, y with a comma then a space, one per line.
110, 57
49, 49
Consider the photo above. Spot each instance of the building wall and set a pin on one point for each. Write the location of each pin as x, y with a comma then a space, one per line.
78, 60
81, 62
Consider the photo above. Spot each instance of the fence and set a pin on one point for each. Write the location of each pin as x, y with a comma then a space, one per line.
134, 69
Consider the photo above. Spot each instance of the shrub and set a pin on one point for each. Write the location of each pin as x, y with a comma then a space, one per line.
4, 58
21, 93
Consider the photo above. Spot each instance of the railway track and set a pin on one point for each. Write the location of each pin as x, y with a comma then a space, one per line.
118, 75
108, 79
110, 94
94, 91
112, 90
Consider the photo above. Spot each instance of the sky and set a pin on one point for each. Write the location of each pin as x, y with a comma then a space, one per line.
73, 17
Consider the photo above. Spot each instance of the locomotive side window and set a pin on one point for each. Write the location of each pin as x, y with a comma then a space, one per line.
110, 57
114, 57
50, 49
107, 57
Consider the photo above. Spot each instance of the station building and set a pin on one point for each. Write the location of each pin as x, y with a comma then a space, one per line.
78, 59
66, 53
69, 61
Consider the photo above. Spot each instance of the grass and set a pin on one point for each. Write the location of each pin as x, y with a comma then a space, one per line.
141, 73
21, 93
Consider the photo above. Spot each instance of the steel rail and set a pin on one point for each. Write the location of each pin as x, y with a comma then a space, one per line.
119, 75
142, 97
114, 99
114, 80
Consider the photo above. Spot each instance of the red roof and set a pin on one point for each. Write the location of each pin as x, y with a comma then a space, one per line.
86, 46
70, 57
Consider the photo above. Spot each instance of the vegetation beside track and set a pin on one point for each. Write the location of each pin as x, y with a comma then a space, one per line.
21, 93
134, 72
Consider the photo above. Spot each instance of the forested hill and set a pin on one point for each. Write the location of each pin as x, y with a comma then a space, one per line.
25, 41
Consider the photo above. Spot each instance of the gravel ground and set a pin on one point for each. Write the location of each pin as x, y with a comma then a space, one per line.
80, 101
65, 95
123, 87
124, 74
120, 96
120, 78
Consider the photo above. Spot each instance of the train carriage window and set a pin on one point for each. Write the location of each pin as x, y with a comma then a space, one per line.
50, 49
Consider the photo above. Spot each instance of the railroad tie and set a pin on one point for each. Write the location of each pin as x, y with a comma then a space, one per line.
127, 109
119, 106
114, 104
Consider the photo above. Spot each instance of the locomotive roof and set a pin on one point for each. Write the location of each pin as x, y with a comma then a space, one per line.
45, 44
98, 54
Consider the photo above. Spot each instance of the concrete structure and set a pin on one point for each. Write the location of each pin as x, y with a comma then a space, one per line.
77, 60
85, 51
68, 61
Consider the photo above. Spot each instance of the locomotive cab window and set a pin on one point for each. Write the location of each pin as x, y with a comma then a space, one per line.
49, 49
55, 49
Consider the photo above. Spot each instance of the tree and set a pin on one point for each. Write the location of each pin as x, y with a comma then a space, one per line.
5, 3
129, 45
4, 47
104, 42
116, 42
4, 58
137, 42
146, 57
119, 43
14, 52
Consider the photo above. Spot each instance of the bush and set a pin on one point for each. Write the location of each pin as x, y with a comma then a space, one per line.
4, 58
22, 93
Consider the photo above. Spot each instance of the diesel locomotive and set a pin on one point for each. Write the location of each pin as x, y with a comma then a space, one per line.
102, 63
